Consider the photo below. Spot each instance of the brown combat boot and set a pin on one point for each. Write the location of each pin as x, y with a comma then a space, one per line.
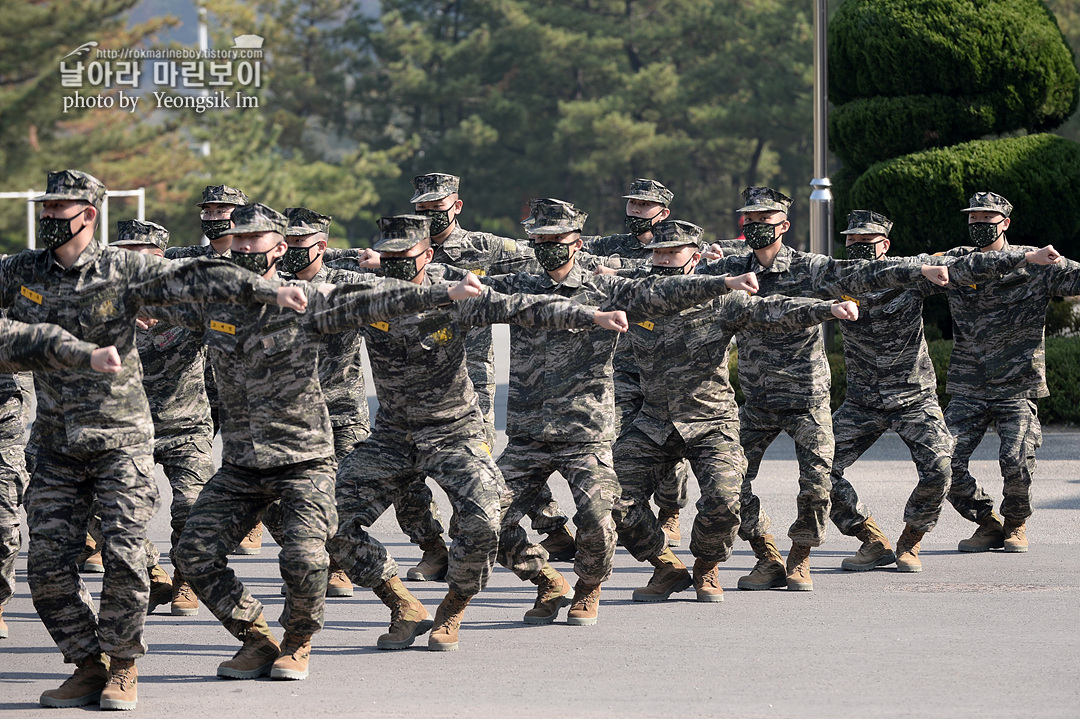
707, 581
798, 569
669, 522
293, 662
874, 552
161, 588
769, 572
433, 563
444, 637
586, 605
122, 689
1015, 536
256, 657
338, 583
907, 550
89, 561
408, 618
3, 625
252, 543
989, 535
669, 577
81, 688
552, 594
184, 601
560, 545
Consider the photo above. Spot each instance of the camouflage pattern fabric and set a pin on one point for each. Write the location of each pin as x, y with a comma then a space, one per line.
223, 195
229, 506
588, 467
38, 348
93, 531
187, 252
72, 185
14, 410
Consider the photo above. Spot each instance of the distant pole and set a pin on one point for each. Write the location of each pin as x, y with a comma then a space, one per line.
821, 200
204, 45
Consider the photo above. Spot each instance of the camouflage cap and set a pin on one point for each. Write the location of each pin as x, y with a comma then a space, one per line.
867, 222
988, 202
224, 195
402, 232
303, 221
764, 199
137, 232
675, 233
72, 185
650, 191
257, 217
433, 186
556, 217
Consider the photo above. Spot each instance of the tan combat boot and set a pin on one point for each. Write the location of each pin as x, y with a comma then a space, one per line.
256, 657
874, 552
552, 594
83, 687
669, 522
338, 583
989, 535
707, 581
907, 550
184, 601
161, 588
560, 545
769, 571
252, 543
408, 618
3, 625
798, 569
669, 577
122, 689
293, 662
433, 563
1015, 536
89, 560
444, 637
586, 605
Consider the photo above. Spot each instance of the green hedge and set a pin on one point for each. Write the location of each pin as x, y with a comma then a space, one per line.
1062, 377
924, 192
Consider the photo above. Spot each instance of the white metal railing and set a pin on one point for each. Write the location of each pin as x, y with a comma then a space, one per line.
103, 225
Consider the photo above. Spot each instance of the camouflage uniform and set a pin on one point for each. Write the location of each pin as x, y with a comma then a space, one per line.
93, 431
785, 377
429, 425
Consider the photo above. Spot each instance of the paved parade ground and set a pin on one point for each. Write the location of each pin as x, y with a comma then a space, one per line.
987, 635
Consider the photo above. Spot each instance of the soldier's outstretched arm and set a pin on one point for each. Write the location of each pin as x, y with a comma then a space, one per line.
336, 308
45, 347
528, 310
157, 281
656, 296
1064, 278
832, 278
982, 266
784, 314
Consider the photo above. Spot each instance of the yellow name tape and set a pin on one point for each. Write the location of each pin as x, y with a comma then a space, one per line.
223, 327
31, 295
847, 298
384, 326
647, 325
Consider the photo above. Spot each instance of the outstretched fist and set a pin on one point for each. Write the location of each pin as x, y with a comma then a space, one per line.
602, 270
615, 320
713, 252
466, 288
292, 297
1045, 256
847, 310
747, 282
938, 274
369, 259
105, 360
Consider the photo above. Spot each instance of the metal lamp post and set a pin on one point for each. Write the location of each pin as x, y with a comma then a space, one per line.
821, 199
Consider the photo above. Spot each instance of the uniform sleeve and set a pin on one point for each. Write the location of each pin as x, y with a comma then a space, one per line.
982, 266
10, 279
189, 315
331, 254
545, 311
1063, 278
831, 278
40, 348
337, 308
158, 281
777, 313
510, 256
653, 296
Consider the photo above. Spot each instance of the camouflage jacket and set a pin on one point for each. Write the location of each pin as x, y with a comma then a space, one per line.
998, 328
885, 353
789, 370
174, 367
561, 386
341, 370
97, 299
187, 252
38, 348
418, 362
273, 412
684, 358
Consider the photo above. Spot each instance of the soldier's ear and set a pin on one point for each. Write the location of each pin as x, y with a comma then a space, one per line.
885, 245
1005, 226
665, 213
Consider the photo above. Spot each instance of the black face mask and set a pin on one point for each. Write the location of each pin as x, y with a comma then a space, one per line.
213, 229
52, 232
440, 220
983, 234
760, 234
638, 226
401, 268
296, 259
665, 271
863, 250
552, 255
257, 262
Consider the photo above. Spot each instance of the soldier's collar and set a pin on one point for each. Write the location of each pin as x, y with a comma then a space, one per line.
456, 236
781, 263
88, 256
574, 279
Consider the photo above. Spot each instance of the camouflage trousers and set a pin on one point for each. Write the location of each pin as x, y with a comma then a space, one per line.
95, 535
589, 469
188, 465
671, 491
718, 464
58, 501
228, 507
811, 428
13, 479
1017, 424
922, 427
384, 466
